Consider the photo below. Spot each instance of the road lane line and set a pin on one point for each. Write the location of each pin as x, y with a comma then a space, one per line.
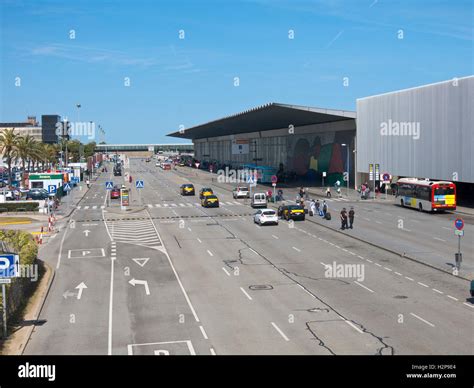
439, 239
61, 245
305, 290
354, 326
189, 228
423, 284
210, 253
370, 261
203, 332
469, 305
213, 352
452, 297
423, 320
444, 227
111, 304
398, 273
245, 293
253, 251
275, 237
406, 277
367, 288
406, 230
279, 331
377, 264
227, 272
388, 269
296, 249
438, 291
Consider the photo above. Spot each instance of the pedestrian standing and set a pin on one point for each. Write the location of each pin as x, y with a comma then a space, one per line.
313, 208
317, 205
351, 217
328, 192
325, 208
343, 218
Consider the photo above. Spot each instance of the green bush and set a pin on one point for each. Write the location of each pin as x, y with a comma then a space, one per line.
19, 207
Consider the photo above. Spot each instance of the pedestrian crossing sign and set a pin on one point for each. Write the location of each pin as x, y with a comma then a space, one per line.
139, 184
109, 185
67, 187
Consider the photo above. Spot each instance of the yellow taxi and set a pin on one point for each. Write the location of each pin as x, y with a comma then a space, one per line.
187, 189
205, 191
210, 201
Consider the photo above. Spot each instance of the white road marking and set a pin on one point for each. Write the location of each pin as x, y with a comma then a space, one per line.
203, 332
378, 222
189, 228
354, 326
253, 251
452, 297
279, 331
79, 207
438, 291
111, 304
86, 207
296, 249
406, 230
439, 239
305, 290
388, 269
370, 261
210, 253
444, 227
213, 352
406, 277
377, 264
469, 305
422, 320
227, 272
245, 293
367, 288
422, 284
275, 237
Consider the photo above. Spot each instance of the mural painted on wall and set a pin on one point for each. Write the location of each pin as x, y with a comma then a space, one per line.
310, 155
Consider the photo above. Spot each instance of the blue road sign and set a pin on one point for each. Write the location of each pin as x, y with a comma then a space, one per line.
9, 264
139, 184
52, 189
67, 187
459, 223
109, 185
75, 179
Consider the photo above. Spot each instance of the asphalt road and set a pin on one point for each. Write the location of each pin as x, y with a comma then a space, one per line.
172, 277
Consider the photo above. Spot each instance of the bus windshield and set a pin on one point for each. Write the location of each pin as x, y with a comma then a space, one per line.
444, 190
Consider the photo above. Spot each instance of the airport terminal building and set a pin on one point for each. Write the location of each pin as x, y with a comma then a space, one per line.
423, 132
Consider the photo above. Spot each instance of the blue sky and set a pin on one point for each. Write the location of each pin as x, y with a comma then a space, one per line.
189, 81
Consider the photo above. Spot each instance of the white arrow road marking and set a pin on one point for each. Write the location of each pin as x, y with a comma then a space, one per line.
85, 253
80, 287
86, 232
133, 282
68, 293
141, 261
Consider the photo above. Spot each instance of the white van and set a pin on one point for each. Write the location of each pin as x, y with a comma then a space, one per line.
259, 200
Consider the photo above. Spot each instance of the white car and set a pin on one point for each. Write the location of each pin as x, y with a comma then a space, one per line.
240, 192
265, 216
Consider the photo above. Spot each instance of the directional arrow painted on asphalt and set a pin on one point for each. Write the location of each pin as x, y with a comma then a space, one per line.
86, 232
68, 293
134, 282
141, 261
85, 253
80, 287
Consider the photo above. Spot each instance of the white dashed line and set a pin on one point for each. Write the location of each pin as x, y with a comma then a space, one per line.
245, 293
370, 261
213, 352
377, 264
452, 297
388, 269
439, 239
275, 237
398, 273
406, 277
227, 272
189, 228
296, 249
469, 305
279, 331
203, 332
422, 320
361, 285
199, 240
438, 291
422, 284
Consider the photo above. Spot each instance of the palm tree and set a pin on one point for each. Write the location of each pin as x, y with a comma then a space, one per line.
9, 150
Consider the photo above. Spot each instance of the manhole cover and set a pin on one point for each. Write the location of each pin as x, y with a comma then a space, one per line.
400, 297
261, 287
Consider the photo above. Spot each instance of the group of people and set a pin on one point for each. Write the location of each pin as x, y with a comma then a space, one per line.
347, 218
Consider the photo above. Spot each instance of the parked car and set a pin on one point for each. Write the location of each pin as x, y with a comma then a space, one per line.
241, 192
265, 216
259, 200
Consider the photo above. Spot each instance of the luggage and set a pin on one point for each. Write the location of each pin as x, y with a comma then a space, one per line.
311, 213
328, 216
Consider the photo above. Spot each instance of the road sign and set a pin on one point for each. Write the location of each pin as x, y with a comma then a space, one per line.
274, 179
197, 164
67, 187
9, 264
274, 184
5, 281
109, 185
52, 189
251, 179
386, 177
459, 224
139, 184
458, 232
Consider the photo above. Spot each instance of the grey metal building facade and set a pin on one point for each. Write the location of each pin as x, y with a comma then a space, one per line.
424, 132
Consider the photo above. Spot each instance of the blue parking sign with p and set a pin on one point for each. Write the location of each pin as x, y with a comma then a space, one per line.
52, 189
9, 264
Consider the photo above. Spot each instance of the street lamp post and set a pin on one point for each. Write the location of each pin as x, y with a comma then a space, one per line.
348, 168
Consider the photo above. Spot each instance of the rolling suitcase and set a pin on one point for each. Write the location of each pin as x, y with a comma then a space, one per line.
328, 216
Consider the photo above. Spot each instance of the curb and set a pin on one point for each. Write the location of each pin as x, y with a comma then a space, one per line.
414, 259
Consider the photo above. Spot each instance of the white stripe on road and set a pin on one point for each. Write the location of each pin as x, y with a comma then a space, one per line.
227, 272
422, 284
354, 326
444, 227
279, 331
275, 237
367, 288
199, 240
377, 264
406, 277
370, 261
296, 249
305, 290
247, 295
203, 332
213, 352
253, 251
452, 297
422, 320
398, 273
388, 269
189, 228
469, 305
438, 291
210, 253
439, 239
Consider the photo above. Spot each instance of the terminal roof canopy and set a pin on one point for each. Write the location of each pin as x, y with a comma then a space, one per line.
264, 118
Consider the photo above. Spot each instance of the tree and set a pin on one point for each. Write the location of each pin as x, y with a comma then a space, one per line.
9, 150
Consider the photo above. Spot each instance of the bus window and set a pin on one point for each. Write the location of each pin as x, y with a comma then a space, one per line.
445, 190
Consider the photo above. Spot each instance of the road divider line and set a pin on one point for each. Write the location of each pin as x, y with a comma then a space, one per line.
438, 291
422, 320
377, 264
410, 279
398, 273
452, 297
439, 239
370, 261
227, 272
388, 269
213, 352
361, 285
275, 237
423, 284
305, 290
469, 305
279, 331
210, 253
199, 240
296, 249
245, 293
203, 332
253, 251
354, 326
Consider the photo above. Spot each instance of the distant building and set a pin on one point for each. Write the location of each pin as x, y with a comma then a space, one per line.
46, 132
